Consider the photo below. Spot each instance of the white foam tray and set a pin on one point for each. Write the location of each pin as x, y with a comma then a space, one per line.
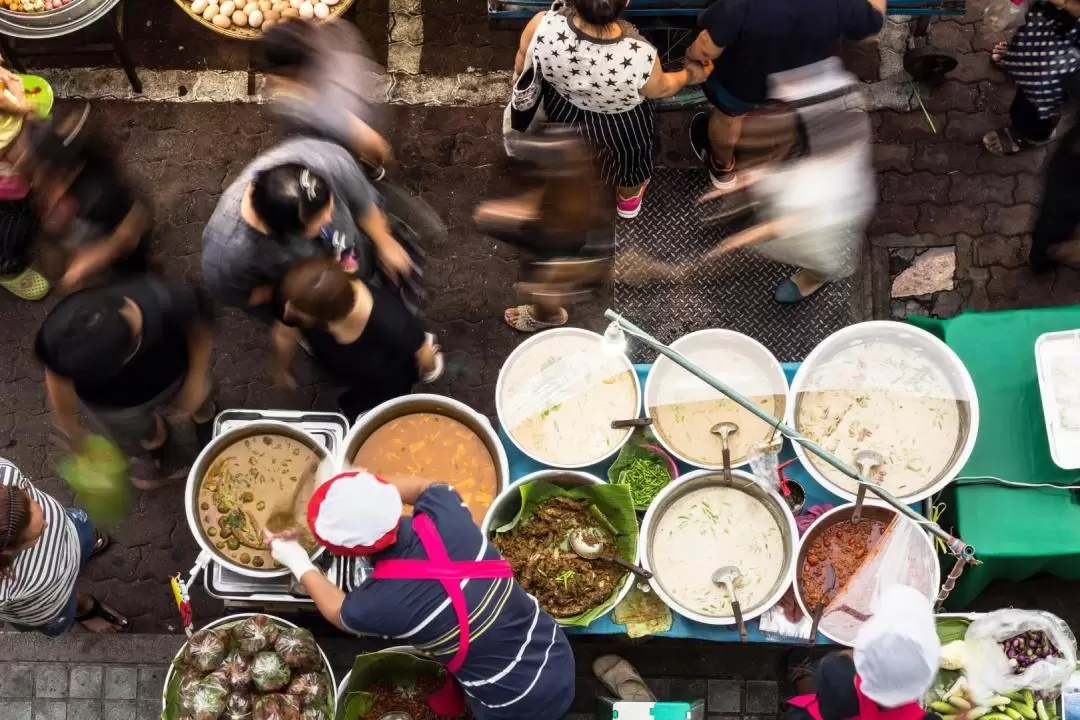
1056, 352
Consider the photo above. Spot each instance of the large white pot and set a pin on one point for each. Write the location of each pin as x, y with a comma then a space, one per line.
332, 686
550, 336
873, 510
678, 382
698, 480
508, 504
942, 356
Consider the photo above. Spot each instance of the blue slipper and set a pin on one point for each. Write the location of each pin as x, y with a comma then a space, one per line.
789, 293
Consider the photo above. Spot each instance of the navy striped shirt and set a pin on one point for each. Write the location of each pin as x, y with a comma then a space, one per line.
44, 574
519, 665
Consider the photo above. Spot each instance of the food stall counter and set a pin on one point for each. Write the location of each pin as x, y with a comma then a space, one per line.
681, 627
998, 349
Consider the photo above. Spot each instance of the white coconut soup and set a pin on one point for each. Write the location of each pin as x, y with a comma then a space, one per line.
707, 529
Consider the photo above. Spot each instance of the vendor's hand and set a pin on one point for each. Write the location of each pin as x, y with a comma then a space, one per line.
395, 260
289, 553
696, 72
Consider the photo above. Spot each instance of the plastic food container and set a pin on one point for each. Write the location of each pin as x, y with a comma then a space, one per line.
684, 409
1057, 362
893, 389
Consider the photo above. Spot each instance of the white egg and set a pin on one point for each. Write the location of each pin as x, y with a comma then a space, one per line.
210, 12
306, 10
239, 18
228, 8
321, 11
296, 3
331, 3
255, 19
199, 5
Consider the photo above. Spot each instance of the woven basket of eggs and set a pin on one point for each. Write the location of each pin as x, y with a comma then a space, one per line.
246, 19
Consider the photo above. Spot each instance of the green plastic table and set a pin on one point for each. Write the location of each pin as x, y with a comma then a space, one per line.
1016, 532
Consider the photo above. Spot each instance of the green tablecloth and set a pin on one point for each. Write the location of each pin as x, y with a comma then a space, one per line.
1016, 532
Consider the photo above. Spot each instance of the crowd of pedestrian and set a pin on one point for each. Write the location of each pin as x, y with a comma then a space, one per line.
305, 241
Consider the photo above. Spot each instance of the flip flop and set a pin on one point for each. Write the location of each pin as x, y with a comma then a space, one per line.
101, 543
98, 611
440, 362
28, 285
621, 679
1010, 144
526, 322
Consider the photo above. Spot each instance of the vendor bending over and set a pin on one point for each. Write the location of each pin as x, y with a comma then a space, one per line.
894, 663
510, 657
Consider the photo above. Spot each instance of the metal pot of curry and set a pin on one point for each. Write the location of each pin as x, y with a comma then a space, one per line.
242, 477
430, 436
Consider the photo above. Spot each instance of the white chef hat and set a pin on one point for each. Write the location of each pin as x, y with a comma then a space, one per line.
355, 513
897, 650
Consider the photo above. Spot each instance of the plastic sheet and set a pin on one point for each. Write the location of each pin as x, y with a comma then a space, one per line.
901, 556
893, 390
558, 394
1002, 15
987, 667
684, 408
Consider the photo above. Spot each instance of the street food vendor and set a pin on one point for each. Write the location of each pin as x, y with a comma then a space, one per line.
440, 586
895, 661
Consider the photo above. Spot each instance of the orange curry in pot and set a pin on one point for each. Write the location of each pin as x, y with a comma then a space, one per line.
845, 545
434, 446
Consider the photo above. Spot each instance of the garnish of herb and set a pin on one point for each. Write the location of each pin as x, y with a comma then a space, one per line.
645, 478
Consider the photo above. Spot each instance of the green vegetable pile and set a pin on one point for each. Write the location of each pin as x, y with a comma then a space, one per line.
645, 478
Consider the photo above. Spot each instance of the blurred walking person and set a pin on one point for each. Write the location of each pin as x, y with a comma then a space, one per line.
43, 546
324, 82
127, 354
749, 40
598, 75
362, 335
1054, 239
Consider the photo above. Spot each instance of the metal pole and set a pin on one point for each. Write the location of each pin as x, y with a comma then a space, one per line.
956, 546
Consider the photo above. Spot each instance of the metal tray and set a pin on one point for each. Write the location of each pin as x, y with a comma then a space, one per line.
237, 590
1060, 351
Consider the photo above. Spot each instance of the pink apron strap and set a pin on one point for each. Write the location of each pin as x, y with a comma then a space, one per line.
868, 709
441, 568
808, 703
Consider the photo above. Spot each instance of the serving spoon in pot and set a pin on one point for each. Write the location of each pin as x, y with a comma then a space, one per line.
589, 545
865, 461
826, 591
725, 430
727, 576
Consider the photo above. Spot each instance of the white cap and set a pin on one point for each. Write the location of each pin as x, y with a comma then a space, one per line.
897, 650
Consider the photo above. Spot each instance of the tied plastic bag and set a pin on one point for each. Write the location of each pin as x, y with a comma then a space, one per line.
987, 666
1002, 15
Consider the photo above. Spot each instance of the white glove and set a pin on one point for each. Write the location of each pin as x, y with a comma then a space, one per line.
290, 554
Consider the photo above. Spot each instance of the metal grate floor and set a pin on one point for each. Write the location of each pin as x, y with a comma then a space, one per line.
735, 293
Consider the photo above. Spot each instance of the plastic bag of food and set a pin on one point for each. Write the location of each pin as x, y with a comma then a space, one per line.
276, 707
255, 634
1042, 645
206, 649
238, 707
314, 713
238, 671
188, 684
1002, 15
297, 648
309, 687
208, 701
270, 672
98, 473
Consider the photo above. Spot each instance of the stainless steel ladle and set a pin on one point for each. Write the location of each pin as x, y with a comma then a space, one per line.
865, 461
727, 576
725, 430
593, 549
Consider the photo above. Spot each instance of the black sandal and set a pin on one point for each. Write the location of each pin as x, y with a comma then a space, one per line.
98, 611
101, 543
1010, 144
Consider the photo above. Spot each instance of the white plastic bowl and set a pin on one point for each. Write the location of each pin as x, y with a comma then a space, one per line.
902, 334
550, 336
664, 371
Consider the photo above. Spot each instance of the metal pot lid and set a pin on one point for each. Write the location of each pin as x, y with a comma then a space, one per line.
70, 18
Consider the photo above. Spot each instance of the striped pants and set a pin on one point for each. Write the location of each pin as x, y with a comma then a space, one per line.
623, 142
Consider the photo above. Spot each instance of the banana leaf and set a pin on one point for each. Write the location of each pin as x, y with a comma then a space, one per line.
614, 510
98, 473
386, 666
